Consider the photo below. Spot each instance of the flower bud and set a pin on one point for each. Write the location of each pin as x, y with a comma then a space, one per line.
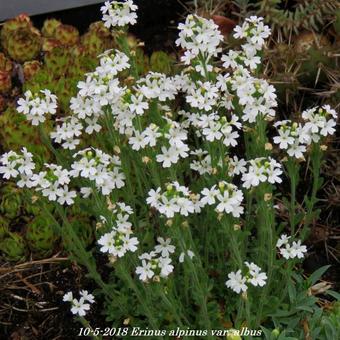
146, 159
232, 335
268, 146
267, 197
237, 227
169, 222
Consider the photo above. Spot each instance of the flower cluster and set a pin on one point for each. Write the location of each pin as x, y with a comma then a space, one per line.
295, 137
319, 122
68, 132
118, 241
254, 32
176, 199
118, 13
100, 89
157, 86
53, 183
157, 263
36, 105
290, 250
256, 96
175, 137
97, 166
262, 170
291, 138
81, 306
227, 197
199, 37
203, 164
216, 128
14, 165
238, 282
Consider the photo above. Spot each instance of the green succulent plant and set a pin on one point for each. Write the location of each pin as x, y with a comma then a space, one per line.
30, 68
3, 227
85, 229
41, 235
49, 27
60, 72
23, 44
5, 63
5, 82
66, 35
13, 247
16, 131
97, 40
10, 201
162, 62
57, 61
12, 25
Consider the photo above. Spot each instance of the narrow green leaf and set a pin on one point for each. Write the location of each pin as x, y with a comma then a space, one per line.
317, 274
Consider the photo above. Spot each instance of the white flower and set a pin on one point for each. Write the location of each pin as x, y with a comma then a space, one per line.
198, 36
137, 105
237, 282
86, 296
165, 266
262, 170
86, 192
117, 13
137, 141
298, 250
290, 251
97, 166
66, 196
145, 272
176, 199
14, 164
130, 243
164, 247
80, 307
118, 242
154, 197
319, 122
282, 240
167, 157
183, 254
256, 277
36, 106
209, 195
296, 150
107, 242
228, 198
68, 297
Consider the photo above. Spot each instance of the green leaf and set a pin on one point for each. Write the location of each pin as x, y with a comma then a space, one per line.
305, 308
317, 274
267, 333
336, 295
284, 313
291, 292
